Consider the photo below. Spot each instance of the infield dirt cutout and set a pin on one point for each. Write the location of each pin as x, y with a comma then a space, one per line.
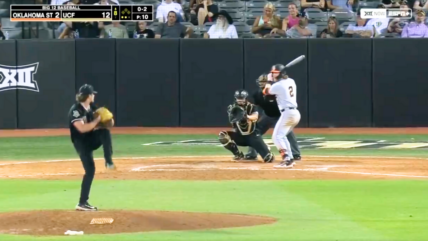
57, 222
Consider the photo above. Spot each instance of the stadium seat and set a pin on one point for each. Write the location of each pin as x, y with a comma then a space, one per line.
7, 24
242, 27
231, 5
253, 14
237, 16
258, 5
125, 2
342, 14
188, 24
369, 3
281, 5
4, 13
130, 26
320, 27
315, 15
153, 26
14, 33
344, 26
283, 12
4, 5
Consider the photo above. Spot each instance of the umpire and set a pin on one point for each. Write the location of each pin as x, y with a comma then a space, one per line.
87, 135
269, 119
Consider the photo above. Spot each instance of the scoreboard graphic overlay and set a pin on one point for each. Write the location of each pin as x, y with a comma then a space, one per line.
80, 13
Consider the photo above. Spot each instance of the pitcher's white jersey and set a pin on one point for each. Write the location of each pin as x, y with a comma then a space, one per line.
285, 91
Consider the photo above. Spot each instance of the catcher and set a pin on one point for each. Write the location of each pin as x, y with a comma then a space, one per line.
89, 129
243, 117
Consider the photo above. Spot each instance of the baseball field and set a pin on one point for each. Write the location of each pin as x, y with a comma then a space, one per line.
180, 184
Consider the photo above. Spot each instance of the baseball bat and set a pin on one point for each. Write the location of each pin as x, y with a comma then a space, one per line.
295, 61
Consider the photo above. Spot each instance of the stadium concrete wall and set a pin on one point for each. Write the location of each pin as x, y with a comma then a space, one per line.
190, 82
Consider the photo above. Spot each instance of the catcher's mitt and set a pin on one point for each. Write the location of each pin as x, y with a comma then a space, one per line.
236, 114
106, 117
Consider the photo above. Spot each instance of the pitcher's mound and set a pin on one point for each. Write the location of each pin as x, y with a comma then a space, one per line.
58, 222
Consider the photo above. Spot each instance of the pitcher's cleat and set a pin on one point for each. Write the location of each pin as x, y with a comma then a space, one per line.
111, 167
86, 207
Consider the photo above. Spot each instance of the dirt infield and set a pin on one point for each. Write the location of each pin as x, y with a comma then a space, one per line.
58, 222
223, 168
179, 130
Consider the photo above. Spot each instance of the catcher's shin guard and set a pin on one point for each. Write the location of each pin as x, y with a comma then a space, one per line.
228, 143
269, 158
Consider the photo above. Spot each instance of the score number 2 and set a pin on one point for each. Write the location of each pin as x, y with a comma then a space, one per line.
106, 14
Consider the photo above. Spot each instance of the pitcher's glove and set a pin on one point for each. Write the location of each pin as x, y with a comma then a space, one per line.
106, 117
236, 114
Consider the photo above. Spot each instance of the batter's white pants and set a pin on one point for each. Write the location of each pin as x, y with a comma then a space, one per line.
288, 120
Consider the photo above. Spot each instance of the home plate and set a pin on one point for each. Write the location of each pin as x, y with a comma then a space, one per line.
102, 221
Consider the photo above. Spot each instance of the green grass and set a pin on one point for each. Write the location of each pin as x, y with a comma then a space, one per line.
42, 148
306, 210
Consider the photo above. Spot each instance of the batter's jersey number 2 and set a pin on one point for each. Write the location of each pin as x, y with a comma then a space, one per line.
291, 91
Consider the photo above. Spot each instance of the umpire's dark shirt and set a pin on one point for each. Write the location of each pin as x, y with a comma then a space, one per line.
77, 113
267, 103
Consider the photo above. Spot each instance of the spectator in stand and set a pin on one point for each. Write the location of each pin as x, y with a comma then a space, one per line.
263, 25
380, 24
396, 25
360, 29
223, 28
142, 31
62, 30
105, 2
172, 29
167, 6
2, 37
416, 29
204, 12
302, 29
85, 29
290, 21
332, 30
304, 4
391, 3
340, 4
420, 4
90, 2
116, 30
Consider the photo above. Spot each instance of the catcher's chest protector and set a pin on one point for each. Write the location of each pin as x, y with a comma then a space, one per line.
247, 127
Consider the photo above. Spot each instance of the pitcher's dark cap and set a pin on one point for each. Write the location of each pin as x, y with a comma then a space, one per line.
87, 90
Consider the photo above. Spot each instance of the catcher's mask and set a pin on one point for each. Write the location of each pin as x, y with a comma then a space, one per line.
277, 71
262, 80
241, 97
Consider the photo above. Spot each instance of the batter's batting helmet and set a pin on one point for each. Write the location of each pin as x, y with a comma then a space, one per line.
279, 69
